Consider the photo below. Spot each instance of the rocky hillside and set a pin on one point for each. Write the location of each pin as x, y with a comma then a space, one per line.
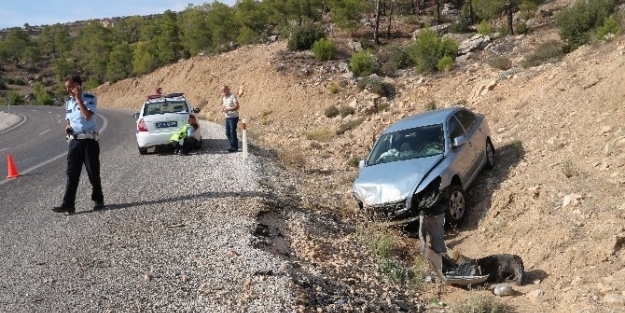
555, 197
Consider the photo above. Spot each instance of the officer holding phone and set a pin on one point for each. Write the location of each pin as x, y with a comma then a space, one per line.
82, 133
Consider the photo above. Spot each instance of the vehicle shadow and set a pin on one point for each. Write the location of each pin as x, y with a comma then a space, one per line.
209, 146
480, 194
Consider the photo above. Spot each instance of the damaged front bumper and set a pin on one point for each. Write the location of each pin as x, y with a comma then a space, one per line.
406, 210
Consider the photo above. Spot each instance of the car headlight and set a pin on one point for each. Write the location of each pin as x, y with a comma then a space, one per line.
429, 195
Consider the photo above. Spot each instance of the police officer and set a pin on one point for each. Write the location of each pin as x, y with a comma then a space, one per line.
187, 137
82, 131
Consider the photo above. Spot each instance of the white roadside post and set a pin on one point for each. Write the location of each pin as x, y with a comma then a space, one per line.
244, 138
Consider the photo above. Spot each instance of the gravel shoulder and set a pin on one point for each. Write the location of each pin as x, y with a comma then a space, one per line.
176, 237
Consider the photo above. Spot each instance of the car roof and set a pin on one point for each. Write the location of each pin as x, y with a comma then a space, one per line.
422, 119
178, 96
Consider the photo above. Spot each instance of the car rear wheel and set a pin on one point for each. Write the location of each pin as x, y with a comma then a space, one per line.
456, 205
143, 151
490, 154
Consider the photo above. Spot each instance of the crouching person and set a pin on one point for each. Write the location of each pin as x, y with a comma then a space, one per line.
187, 138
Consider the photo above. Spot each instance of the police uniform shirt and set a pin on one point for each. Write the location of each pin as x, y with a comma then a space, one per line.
76, 120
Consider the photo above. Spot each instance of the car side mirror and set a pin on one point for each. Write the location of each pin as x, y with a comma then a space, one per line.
459, 141
361, 164
196, 110
136, 115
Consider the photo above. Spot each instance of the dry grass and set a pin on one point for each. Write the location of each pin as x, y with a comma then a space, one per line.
322, 134
294, 158
481, 304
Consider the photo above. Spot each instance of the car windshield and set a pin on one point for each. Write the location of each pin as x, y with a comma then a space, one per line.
165, 107
408, 144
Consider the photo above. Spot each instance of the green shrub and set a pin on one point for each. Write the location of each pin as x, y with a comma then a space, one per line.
445, 63
331, 111
522, 28
429, 49
484, 28
576, 22
346, 110
500, 63
324, 49
376, 85
304, 36
3, 85
247, 36
334, 88
353, 162
363, 63
351, 125
264, 118
610, 26
41, 95
92, 83
394, 57
393, 271
550, 50
19, 82
461, 25
15, 98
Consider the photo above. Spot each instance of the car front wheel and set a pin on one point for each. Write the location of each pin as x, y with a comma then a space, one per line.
456, 205
143, 151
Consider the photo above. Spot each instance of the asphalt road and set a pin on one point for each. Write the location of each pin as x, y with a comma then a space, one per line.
39, 139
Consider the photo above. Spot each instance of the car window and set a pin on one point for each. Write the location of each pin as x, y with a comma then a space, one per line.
408, 144
163, 107
455, 130
466, 118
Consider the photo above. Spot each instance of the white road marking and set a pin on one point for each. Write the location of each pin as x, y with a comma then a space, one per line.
45, 131
20, 123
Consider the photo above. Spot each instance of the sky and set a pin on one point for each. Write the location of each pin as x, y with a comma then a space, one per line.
16, 13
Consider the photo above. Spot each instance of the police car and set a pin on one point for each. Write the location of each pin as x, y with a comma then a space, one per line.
160, 117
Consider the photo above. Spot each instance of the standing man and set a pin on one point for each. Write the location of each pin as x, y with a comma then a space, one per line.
230, 105
82, 130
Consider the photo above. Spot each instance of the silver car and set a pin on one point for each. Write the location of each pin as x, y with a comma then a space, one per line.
424, 162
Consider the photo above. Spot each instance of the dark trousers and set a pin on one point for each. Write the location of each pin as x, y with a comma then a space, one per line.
231, 132
188, 144
87, 152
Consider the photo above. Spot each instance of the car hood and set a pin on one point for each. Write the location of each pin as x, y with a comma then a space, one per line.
392, 181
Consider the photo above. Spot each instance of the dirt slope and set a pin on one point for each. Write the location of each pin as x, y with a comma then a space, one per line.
555, 198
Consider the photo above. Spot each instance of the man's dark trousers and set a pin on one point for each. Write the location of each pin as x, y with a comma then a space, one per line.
231, 132
87, 152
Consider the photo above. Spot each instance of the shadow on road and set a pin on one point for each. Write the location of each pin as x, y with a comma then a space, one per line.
205, 195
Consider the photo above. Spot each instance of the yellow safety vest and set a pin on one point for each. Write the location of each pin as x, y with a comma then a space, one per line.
181, 134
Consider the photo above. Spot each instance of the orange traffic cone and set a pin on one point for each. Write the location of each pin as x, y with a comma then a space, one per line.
12, 169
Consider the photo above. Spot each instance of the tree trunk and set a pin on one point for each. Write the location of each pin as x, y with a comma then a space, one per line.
510, 18
390, 19
471, 14
376, 35
438, 12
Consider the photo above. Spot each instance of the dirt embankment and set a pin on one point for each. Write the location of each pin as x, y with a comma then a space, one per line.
555, 197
